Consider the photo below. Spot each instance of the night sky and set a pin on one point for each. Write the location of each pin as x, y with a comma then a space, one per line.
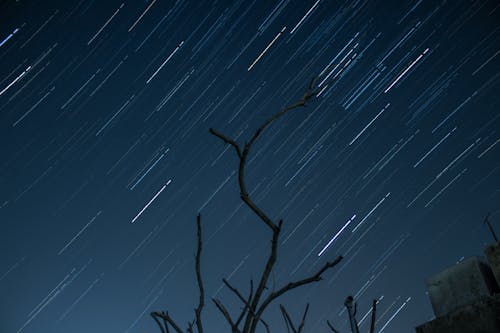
107, 159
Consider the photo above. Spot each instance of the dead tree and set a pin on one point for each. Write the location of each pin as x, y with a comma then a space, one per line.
257, 301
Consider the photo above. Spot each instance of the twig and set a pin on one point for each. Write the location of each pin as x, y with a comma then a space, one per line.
331, 327
303, 319
201, 303
247, 304
226, 315
265, 325
288, 321
374, 316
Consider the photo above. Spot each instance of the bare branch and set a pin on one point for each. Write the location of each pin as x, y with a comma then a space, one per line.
155, 317
308, 94
374, 316
252, 318
226, 140
247, 304
292, 285
167, 321
234, 290
201, 303
265, 325
226, 315
331, 327
301, 326
351, 310
288, 321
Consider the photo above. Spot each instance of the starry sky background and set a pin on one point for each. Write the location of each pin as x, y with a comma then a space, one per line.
106, 156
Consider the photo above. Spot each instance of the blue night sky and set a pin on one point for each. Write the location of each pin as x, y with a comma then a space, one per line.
107, 159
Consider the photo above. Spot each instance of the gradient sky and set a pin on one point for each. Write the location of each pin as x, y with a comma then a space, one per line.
105, 108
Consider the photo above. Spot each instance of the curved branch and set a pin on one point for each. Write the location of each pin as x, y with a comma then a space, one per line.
226, 140
308, 94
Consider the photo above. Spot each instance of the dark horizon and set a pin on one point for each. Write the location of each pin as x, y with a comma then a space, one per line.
105, 110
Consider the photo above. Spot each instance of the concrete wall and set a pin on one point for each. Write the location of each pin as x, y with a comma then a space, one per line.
493, 255
483, 316
460, 285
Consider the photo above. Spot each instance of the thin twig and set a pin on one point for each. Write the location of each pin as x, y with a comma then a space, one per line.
301, 326
201, 303
374, 316
288, 321
331, 327
247, 304
265, 325
226, 315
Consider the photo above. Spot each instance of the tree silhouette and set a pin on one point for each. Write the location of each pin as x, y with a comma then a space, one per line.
257, 301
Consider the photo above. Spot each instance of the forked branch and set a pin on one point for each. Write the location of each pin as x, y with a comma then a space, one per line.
289, 322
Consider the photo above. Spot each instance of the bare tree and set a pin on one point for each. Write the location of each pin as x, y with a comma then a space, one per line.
257, 301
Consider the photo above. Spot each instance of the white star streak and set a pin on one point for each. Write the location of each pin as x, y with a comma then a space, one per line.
304, 17
395, 314
105, 24
371, 211
488, 149
140, 17
406, 71
9, 37
164, 63
267, 48
433, 148
79, 233
15, 80
151, 201
371, 122
336, 235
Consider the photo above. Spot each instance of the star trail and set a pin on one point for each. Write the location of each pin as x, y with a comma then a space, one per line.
105, 110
